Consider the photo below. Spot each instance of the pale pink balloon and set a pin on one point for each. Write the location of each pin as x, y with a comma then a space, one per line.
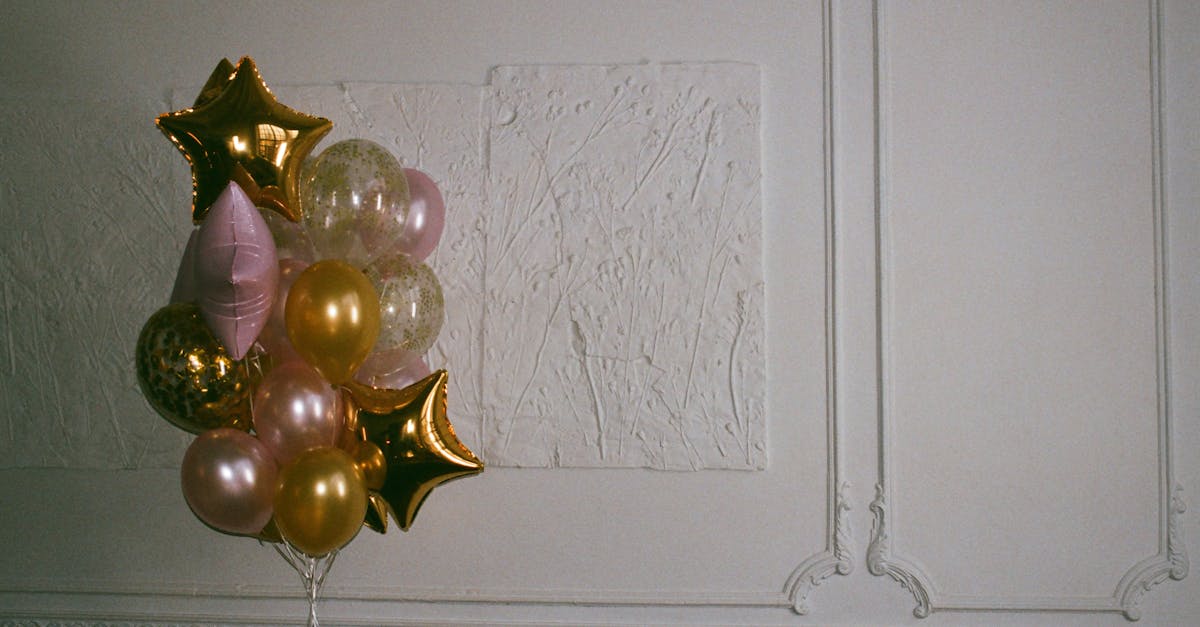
185, 278
229, 481
423, 224
236, 269
295, 410
395, 369
274, 337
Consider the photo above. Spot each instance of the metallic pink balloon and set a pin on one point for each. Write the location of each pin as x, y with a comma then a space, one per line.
236, 270
423, 224
295, 410
185, 278
274, 337
394, 369
229, 480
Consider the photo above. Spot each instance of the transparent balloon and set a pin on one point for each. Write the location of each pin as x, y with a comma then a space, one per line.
353, 186
411, 308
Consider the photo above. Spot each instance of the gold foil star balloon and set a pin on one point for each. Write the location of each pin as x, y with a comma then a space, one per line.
217, 81
238, 131
417, 440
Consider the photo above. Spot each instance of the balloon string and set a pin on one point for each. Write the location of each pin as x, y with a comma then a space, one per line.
312, 571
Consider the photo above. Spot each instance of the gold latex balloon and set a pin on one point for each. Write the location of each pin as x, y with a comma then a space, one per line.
332, 318
187, 376
238, 131
411, 428
321, 501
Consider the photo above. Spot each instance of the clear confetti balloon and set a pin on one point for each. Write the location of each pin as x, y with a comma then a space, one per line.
411, 309
353, 186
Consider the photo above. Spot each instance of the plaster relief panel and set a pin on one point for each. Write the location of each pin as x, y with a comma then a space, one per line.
623, 294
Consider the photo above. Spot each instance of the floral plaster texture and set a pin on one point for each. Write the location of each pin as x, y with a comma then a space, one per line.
601, 264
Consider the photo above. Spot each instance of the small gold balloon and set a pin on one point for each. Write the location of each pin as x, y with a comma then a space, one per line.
371, 462
187, 376
321, 501
332, 318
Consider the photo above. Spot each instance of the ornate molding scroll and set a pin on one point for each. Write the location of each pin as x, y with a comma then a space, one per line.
817, 569
1142, 577
879, 557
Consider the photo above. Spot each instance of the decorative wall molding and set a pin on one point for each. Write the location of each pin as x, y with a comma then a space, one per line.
838, 555
1171, 561
880, 561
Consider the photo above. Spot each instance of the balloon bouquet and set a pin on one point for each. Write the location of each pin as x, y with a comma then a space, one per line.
292, 344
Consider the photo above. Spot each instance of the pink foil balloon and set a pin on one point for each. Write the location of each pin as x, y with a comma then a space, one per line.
295, 410
394, 369
229, 480
274, 337
423, 224
185, 278
236, 269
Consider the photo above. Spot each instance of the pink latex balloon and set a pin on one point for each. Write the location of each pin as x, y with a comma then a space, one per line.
237, 271
229, 480
295, 410
395, 369
423, 224
185, 278
274, 337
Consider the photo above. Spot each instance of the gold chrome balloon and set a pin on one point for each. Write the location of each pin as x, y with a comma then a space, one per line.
187, 375
239, 131
332, 318
411, 428
321, 501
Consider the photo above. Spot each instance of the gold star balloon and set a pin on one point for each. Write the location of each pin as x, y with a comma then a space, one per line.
417, 440
220, 77
238, 131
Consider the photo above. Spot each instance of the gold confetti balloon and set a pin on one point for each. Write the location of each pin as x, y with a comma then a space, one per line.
187, 376
354, 186
411, 307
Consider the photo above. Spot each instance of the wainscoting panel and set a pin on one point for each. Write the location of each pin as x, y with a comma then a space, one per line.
1024, 429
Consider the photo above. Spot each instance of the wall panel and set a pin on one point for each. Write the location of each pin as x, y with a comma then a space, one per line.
1021, 307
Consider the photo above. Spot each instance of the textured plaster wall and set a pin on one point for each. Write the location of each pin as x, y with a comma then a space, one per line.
602, 265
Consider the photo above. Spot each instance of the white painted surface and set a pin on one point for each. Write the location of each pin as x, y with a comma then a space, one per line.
1052, 100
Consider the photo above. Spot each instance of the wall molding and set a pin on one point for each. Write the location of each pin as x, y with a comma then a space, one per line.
1171, 561
837, 558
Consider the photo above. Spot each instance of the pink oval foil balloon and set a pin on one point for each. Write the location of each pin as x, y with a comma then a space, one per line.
274, 337
423, 224
295, 410
236, 269
228, 479
185, 278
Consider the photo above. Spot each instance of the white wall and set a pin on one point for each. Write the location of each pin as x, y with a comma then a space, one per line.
983, 371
